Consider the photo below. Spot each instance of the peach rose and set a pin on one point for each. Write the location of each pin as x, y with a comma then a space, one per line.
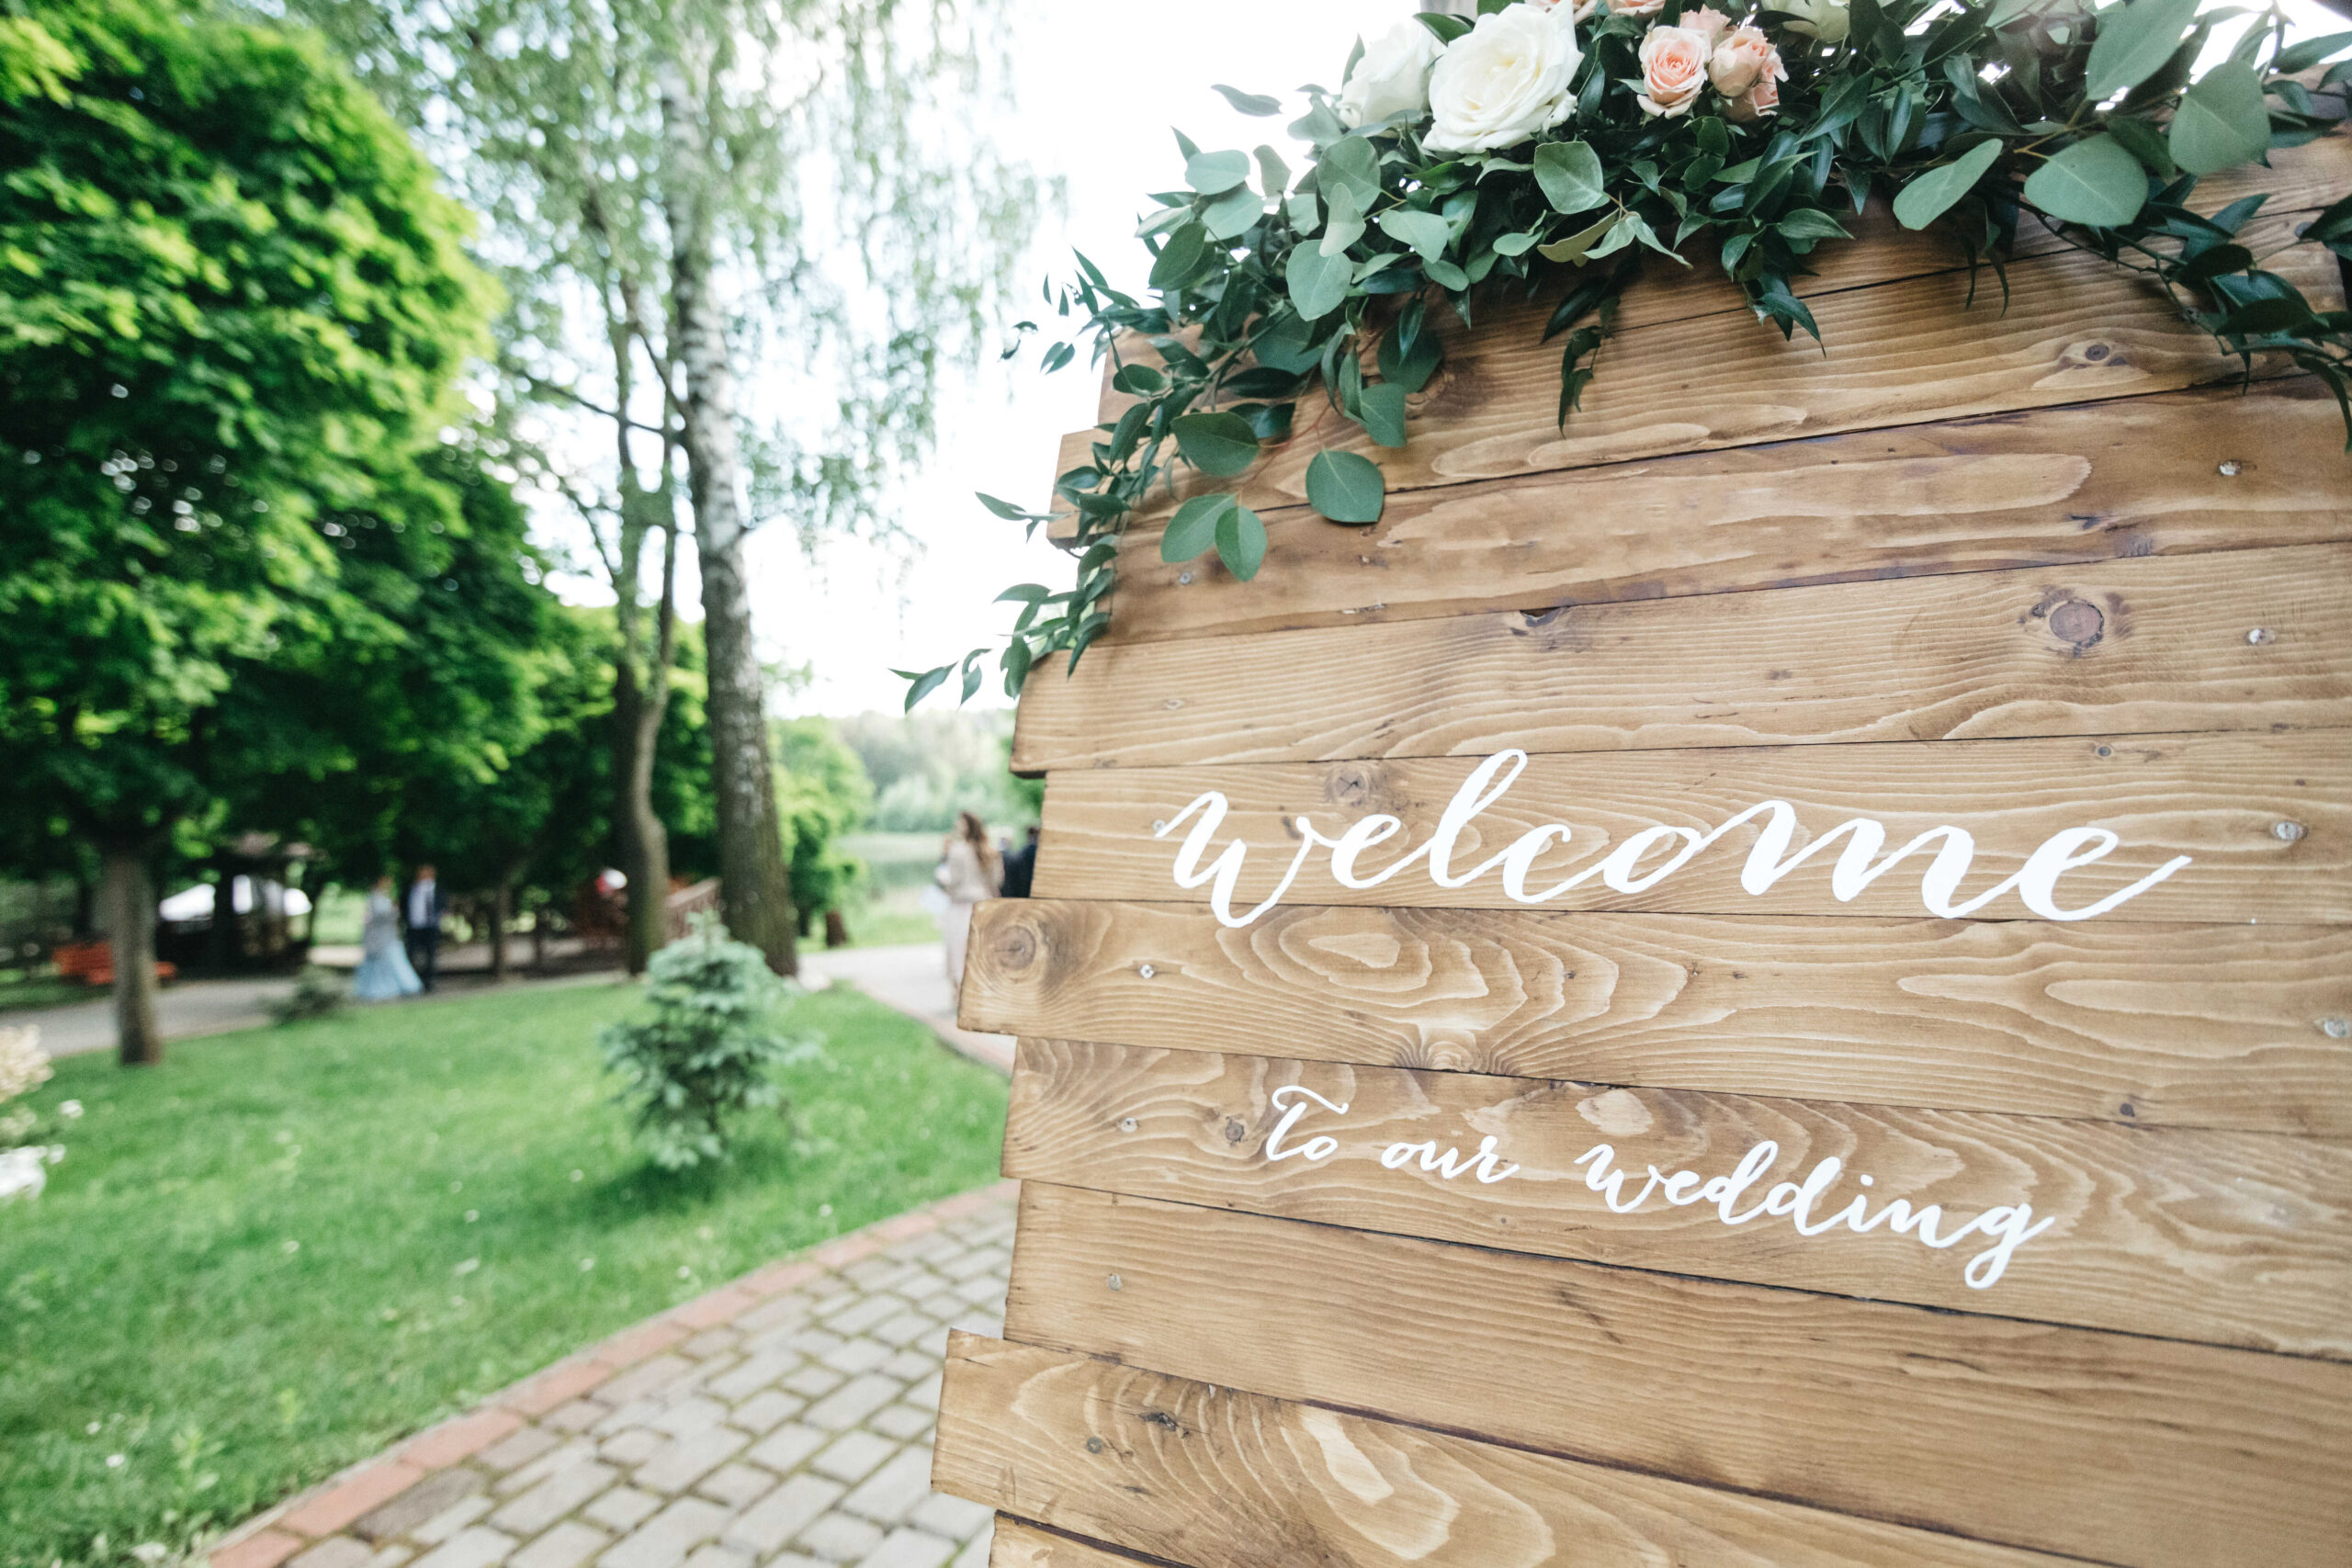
1707, 22
1636, 7
1742, 56
1759, 100
1674, 67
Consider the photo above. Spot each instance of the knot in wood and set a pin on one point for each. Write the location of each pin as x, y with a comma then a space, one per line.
1016, 947
2078, 622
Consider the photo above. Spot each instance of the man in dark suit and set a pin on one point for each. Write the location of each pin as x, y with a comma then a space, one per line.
424, 912
1021, 868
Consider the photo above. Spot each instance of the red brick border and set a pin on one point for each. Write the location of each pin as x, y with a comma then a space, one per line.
275, 1534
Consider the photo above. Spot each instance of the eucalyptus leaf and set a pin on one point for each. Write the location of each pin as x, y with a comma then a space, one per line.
1230, 215
1193, 528
2134, 42
1931, 195
1240, 541
2096, 181
1219, 444
2221, 121
1426, 232
1354, 162
1517, 244
1318, 284
1213, 174
1344, 224
1577, 246
1382, 408
1273, 174
1569, 175
1257, 105
1345, 487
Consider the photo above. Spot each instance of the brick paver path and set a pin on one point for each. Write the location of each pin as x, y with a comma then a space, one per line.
783, 1420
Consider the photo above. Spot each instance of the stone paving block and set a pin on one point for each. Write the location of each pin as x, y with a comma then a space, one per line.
392, 1556
546, 1464
696, 1413
718, 1556
988, 1324
918, 1360
942, 1304
576, 1416
735, 1484
418, 1503
851, 1357
853, 1456
559, 1495
891, 1494
926, 1392
564, 1382
976, 1552
329, 1510
784, 1513
784, 1448
904, 1422
688, 1460
853, 1401
460, 1438
877, 1273
621, 1509
838, 1537
953, 1517
476, 1548
767, 1410
812, 1339
646, 1378
633, 1446
335, 1551
663, 1540
985, 1291
815, 1381
449, 1522
905, 1328
710, 1342
980, 1263
773, 1314
518, 1449
858, 1313
755, 1372
905, 1548
568, 1545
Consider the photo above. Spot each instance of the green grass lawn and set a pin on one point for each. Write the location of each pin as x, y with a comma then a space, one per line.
284, 1250
43, 987
889, 910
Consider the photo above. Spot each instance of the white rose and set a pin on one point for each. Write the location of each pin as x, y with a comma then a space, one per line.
1825, 20
1503, 81
1392, 78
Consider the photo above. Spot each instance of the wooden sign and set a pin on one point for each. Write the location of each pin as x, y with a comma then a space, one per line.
1767, 979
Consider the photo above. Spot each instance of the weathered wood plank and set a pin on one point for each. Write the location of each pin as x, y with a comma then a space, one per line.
2264, 819
1196, 1474
2059, 1439
2230, 1239
2172, 475
1020, 1544
2243, 639
2146, 1025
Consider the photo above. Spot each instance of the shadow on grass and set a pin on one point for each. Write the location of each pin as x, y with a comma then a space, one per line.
765, 1147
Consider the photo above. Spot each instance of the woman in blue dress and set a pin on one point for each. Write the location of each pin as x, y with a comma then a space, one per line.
384, 974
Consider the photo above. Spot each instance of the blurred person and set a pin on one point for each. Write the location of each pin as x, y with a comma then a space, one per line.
384, 971
1020, 866
425, 923
969, 870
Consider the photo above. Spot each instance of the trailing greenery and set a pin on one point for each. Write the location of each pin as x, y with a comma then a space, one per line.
284, 1250
1563, 148
707, 1052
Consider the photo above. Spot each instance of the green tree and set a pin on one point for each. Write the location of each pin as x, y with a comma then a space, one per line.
234, 303
822, 793
731, 183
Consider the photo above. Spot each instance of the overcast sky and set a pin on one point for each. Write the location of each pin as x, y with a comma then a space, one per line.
1100, 84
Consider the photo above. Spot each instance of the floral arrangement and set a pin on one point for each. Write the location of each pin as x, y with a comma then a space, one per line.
24, 1066
1562, 144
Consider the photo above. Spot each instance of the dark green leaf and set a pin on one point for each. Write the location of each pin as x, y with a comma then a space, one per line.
1318, 284
2210, 263
924, 683
1240, 541
1213, 174
2096, 181
2310, 52
1003, 509
1812, 223
1410, 367
1578, 245
1024, 592
2145, 142
1255, 104
1015, 661
1139, 381
1193, 528
1382, 408
1569, 175
1345, 487
1181, 257
1219, 444
2133, 40
1931, 195
1446, 28
2221, 121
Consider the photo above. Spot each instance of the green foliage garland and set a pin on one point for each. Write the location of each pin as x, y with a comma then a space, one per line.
1636, 127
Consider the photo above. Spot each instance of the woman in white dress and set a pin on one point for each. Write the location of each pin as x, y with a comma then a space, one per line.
968, 872
384, 974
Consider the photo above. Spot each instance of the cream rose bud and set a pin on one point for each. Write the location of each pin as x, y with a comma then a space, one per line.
1707, 22
1393, 77
1759, 100
1503, 81
1824, 19
1636, 7
1740, 57
1674, 67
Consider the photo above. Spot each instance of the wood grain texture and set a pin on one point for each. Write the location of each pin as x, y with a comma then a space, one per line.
1221, 1479
1018, 1543
2106, 1446
2146, 1025
2230, 1239
2244, 640
2220, 799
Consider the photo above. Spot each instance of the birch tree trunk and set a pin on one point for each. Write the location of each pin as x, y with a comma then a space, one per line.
129, 895
756, 894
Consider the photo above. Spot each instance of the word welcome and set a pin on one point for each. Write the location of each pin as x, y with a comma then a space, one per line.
2007, 1225
1857, 867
